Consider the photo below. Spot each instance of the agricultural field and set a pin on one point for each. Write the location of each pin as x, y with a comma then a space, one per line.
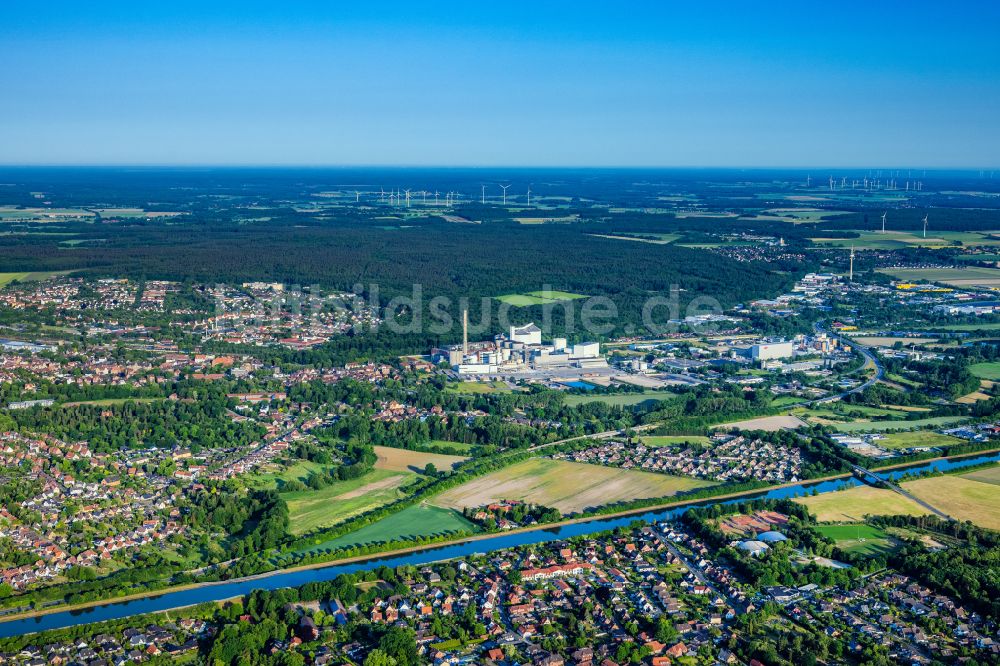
920, 438
564, 219
7, 278
766, 423
859, 538
884, 426
620, 399
404, 460
15, 214
962, 497
797, 215
670, 440
853, 504
988, 475
568, 486
894, 240
973, 276
421, 520
312, 509
134, 212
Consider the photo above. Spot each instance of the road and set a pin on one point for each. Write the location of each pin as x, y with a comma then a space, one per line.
870, 361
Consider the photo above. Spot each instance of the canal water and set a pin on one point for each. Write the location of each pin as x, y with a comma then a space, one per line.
234, 588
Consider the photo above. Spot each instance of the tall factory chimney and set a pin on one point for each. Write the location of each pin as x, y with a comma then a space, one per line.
465, 333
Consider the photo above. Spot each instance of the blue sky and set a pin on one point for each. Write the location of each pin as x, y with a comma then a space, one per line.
913, 84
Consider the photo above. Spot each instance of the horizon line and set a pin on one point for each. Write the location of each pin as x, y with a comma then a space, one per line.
333, 165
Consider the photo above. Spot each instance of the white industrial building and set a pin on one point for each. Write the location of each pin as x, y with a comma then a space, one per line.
529, 334
773, 350
521, 351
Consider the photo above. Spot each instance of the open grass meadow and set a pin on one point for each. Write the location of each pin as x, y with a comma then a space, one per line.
300, 471
885, 426
480, 387
7, 278
619, 399
671, 440
312, 509
854, 504
920, 438
990, 371
421, 520
538, 298
987, 475
568, 486
961, 497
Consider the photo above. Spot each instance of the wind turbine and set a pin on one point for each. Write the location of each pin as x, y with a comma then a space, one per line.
407, 198
831, 183
504, 188
883, 220
483, 198
529, 195
925, 226
357, 196
381, 196
436, 193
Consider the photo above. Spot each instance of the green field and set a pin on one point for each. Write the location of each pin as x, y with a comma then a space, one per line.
422, 520
969, 327
894, 240
7, 278
538, 298
883, 426
959, 277
300, 471
983, 256
480, 387
521, 300
858, 538
669, 440
989, 371
105, 402
620, 399
907, 440
312, 509
454, 445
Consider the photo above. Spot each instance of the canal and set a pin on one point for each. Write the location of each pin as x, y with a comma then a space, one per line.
234, 588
